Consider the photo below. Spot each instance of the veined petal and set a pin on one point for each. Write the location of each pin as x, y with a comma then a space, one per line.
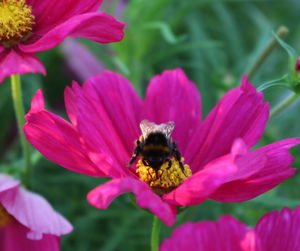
96, 26
103, 195
227, 234
14, 61
171, 96
14, 238
34, 212
275, 170
241, 113
279, 231
199, 187
57, 140
115, 109
49, 13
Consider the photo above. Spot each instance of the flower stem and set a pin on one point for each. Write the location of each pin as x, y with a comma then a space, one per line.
281, 32
284, 104
155, 234
19, 111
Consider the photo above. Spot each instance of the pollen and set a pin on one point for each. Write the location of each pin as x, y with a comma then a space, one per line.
166, 179
5, 217
16, 21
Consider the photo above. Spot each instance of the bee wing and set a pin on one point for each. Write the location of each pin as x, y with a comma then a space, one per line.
167, 128
148, 127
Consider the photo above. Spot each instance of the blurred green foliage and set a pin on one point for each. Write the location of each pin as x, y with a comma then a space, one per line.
215, 42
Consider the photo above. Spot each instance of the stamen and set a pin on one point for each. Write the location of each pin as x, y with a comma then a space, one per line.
5, 217
165, 179
16, 21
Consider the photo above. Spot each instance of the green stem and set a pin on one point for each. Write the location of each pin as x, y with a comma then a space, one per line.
155, 234
284, 104
19, 111
281, 32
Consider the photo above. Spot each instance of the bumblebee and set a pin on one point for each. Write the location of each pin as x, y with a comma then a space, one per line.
155, 145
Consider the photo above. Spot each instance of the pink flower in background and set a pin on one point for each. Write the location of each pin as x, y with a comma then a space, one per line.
276, 231
32, 26
27, 221
105, 114
80, 61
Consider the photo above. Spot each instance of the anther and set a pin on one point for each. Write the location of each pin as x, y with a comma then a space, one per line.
169, 176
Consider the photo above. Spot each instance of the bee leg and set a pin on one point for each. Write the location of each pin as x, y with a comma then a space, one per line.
136, 153
145, 162
177, 155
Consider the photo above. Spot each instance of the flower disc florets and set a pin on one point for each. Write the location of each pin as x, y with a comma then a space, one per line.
166, 178
16, 21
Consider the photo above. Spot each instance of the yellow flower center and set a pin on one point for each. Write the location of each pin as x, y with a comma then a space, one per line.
16, 21
5, 217
165, 179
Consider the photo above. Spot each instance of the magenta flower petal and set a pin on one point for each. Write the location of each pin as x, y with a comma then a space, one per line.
279, 231
32, 211
97, 26
226, 234
275, 170
14, 61
276, 231
13, 238
201, 185
51, 13
241, 113
115, 106
171, 96
103, 195
63, 142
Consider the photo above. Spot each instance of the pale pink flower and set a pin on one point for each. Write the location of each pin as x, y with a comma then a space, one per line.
30, 26
27, 220
276, 231
105, 114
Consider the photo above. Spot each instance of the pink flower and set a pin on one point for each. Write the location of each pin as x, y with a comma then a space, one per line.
80, 61
105, 114
276, 231
27, 221
30, 26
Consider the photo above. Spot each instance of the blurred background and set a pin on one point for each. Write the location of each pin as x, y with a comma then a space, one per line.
215, 42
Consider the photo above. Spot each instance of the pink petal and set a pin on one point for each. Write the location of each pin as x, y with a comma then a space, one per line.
241, 113
103, 195
96, 26
115, 109
51, 13
227, 234
14, 238
57, 140
280, 231
13, 61
7, 182
1, 48
171, 96
201, 185
34, 212
275, 170
82, 63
